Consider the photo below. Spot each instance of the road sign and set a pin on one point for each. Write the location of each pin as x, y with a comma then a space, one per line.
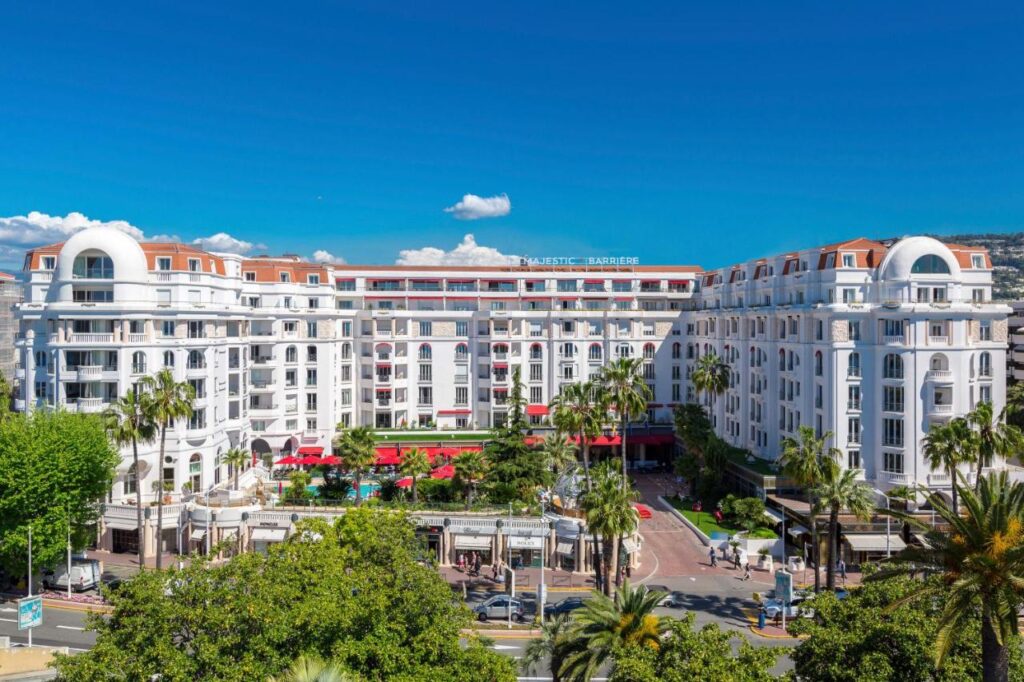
30, 612
510, 582
784, 586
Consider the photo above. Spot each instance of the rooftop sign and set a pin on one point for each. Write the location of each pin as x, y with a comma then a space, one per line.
580, 260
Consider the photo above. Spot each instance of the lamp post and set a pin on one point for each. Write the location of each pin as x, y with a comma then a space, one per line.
69, 552
30, 577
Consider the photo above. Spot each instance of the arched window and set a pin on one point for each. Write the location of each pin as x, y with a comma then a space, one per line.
138, 362
938, 362
131, 481
291, 354
93, 265
818, 363
425, 353
195, 472
985, 364
346, 351
677, 350
595, 351
930, 265
461, 352
168, 358
648, 351
853, 365
196, 360
536, 352
501, 348
892, 367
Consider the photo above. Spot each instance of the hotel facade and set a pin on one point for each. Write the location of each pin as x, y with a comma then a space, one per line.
873, 342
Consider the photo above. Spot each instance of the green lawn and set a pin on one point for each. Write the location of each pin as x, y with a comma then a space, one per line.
707, 524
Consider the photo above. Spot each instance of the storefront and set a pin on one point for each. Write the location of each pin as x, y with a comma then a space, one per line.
262, 537
432, 541
525, 551
465, 545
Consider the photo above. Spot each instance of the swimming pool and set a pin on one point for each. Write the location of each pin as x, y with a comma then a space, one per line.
367, 489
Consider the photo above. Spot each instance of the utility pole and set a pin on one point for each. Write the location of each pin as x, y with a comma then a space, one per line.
30, 578
69, 553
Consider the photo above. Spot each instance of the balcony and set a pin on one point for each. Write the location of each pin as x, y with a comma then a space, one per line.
939, 376
137, 338
938, 479
897, 340
91, 338
938, 340
942, 410
893, 477
89, 404
90, 372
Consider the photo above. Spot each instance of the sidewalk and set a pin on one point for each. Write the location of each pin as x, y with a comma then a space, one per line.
527, 579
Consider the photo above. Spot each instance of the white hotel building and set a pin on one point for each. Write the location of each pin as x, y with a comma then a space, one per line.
869, 341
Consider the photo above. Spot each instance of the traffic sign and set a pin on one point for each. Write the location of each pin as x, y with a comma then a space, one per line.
30, 612
784, 586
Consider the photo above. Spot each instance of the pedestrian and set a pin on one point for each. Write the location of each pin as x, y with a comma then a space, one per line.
736, 559
762, 617
494, 571
842, 570
746, 571
461, 561
477, 564
713, 556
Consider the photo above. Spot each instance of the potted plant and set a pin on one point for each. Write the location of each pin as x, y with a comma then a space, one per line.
764, 560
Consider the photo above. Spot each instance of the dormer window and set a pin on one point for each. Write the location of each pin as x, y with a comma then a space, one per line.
249, 276
193, 265
977, 261
830, 260
163, 264
286, 277
49, 262
312, 279
849, 261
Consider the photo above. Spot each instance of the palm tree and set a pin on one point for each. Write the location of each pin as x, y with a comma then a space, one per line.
236, 459
470, 468
551, 646
357, 448
312, 669
948, 446
559, 453
804, 460
128, 422
605, 625
628, 393
839, 489
609, 511
981, 562
415, 463
575, 410
711, 375
996, 438
1015, 403
168, 402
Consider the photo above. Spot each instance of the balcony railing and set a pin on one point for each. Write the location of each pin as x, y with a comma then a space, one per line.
90, 372
89, 404
137, 338
898, 339
92, 338
939, 375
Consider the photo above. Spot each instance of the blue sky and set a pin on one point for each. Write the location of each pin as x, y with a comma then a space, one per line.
676, 132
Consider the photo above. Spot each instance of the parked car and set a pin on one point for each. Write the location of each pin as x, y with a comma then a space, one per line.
673, 600
85, 575
567, 605
498, 607
796, 608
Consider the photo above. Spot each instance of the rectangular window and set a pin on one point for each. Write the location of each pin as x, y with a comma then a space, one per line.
853, 459
195, 329
163, 263
854, 327
426, 395
892, 432
193, 265
536, 372
285, 277
311, 329
462, 328
461, 395
426, 329
310, 402
892, 399
426, 373
853, 397
310, 377
853, 430
849, 261
312, 279
985, 331
892, 462
536, 395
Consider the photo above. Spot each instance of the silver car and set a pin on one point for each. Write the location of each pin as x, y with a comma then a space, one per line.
498, 607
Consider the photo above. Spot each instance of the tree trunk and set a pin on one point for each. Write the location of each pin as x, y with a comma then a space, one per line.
833, 542
160, 503
609, 568
138, 507
586, 460
624, 478
815, 548
995, 657
414, 489
956, 501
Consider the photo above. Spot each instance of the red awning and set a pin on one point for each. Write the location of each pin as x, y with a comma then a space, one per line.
447, 471
593, 281
309, 450
289, 460
383, 390
621, 298
501, 365
451, 412
657, 439
404, 482
501, 389
387, 457
684, 282
383, 364
601, 440
536, 410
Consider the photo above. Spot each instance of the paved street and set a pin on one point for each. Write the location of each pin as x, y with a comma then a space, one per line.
61, 627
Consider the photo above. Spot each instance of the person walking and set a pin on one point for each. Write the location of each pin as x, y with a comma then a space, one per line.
714, 557
746, 571
736, 559
842, 570
477, 565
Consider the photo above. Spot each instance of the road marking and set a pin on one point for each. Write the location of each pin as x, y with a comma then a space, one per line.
504, 647
7, 609
9, 620
71, 627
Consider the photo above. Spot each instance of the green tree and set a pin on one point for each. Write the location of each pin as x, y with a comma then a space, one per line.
357, 449
605, 626
470, 469
980, 563
351, 592
609, 511
168, 402
515, 467
550, 647
559, 454
711, 375
628, 394
1015, 404
947, 446
128, 422
688, 655
54, 469
298, 485
580, 409
236, 458
877, 634
804, 460
995, 438
415, 463
839, 489
312, 669
5, 396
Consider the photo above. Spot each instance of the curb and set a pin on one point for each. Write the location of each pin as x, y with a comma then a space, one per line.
760, 633
689, 524
63, 605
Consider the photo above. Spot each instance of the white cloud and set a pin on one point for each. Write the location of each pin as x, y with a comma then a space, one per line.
327, 258
468, 252
38, 228
224, 243
473, 207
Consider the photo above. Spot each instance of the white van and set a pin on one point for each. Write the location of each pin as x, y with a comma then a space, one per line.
85, 575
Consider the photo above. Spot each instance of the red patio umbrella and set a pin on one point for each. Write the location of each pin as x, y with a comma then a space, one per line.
404, 482
290, 459
447, 471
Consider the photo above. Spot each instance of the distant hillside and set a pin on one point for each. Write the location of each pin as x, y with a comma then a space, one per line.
1007, 252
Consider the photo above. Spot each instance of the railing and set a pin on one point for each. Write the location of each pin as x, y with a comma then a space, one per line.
92, 338
89, 404
942, 409
137, 338
89, 372
894, 477
938, 340
899, 339
163, 277
938, 375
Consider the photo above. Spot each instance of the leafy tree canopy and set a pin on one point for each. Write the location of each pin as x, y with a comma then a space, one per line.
54, 466
351, 593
